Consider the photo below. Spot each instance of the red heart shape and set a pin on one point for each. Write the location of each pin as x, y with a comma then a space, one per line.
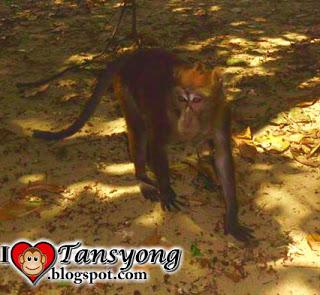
42, 254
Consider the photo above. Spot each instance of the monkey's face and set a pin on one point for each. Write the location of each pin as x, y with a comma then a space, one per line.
188, 104
195, 99
32, 262
193, 107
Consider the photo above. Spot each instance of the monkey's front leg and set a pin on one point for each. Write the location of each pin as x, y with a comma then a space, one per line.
225, 170
160, 167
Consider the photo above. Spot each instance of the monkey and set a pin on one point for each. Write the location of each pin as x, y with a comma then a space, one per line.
165, 99
32, 261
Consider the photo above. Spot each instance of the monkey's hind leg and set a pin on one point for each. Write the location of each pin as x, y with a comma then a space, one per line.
137, 148
137, 144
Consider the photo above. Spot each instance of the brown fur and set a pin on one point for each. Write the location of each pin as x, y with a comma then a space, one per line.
164, 99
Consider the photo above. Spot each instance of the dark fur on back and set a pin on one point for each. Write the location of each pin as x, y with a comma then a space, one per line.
146, 72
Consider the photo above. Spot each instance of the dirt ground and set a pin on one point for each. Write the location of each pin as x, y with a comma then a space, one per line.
83, 187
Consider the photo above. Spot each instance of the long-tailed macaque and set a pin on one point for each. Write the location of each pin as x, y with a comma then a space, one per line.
163, 100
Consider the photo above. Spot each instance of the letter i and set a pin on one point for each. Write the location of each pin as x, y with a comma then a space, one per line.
4, 254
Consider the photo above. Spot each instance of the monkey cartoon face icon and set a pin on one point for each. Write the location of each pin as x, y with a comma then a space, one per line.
32, 261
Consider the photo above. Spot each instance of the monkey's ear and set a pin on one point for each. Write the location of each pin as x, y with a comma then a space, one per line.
21, 259
43, 258
217, 81
217, 76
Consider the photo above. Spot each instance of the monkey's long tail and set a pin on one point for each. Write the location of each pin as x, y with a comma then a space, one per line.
104, 80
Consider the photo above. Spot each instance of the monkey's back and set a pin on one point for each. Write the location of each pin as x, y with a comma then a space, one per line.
148, 74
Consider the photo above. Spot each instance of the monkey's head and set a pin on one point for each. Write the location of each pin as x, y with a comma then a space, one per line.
196, 94
32, 261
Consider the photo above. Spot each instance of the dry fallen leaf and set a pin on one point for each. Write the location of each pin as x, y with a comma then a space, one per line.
314, 241
245, 144
273, 143
308, 103
314, 150
200, 12
280, 120
37, 186
24, 206
35, 91
307, 141
296, 137
70, 97
248, 150
246, 134
302, 160
204, 166
17, 209
68, 83
298, 115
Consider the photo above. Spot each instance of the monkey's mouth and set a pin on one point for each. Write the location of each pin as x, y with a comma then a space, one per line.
32, 268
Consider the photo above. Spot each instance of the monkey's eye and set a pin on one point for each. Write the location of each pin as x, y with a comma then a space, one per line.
35, 258
29, 258
182, 98
197, 99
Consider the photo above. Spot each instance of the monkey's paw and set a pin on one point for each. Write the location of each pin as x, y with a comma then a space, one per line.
241, 233
169, 201
149, 192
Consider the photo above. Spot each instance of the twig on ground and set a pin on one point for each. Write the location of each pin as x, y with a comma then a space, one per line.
106, 49
314, 150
